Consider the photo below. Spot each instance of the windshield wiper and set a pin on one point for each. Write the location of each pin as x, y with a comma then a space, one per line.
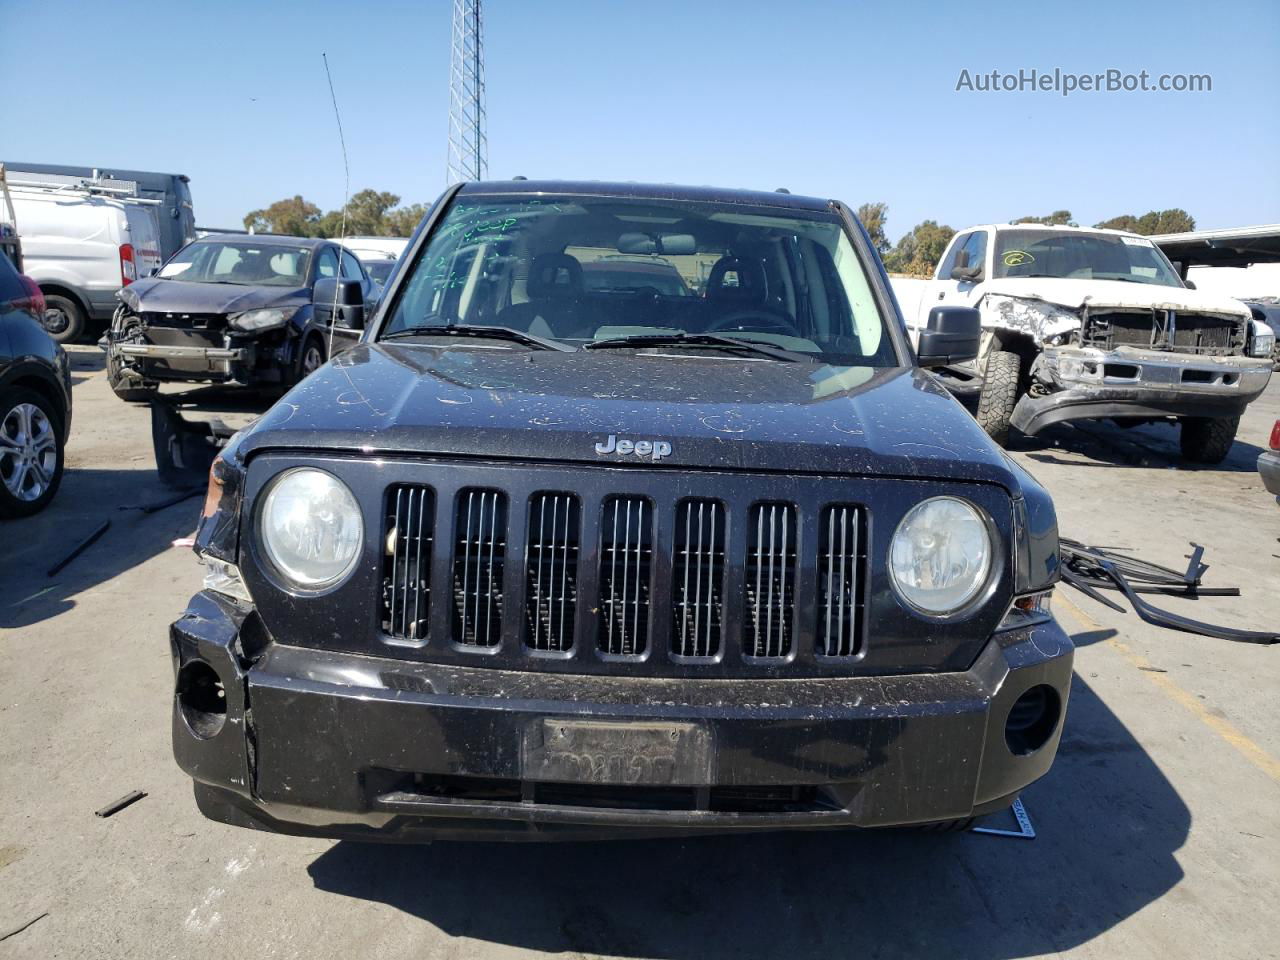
714, 340
479, 332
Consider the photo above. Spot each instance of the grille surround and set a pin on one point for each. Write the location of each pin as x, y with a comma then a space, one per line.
346, 617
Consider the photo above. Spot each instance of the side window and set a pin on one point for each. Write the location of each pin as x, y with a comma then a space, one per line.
976, 247
351, 267
327, 264
949, 261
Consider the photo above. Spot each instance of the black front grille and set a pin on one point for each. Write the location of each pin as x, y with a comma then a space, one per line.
771, 578
626, 557
406, 562
551, 571
1165, 330
840, 600
478, 554
698, 578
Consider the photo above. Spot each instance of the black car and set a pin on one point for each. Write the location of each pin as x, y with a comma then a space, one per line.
237, 309
35, 399
537, 560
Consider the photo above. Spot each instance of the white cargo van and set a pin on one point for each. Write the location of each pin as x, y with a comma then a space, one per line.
82, 240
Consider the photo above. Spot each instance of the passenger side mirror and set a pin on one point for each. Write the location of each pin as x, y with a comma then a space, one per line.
345, 295
952, 336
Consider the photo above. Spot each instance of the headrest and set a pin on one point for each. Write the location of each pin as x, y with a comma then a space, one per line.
555, 276
748, 274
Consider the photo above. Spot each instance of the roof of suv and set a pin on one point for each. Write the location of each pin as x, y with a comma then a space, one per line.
650, 191
268, 239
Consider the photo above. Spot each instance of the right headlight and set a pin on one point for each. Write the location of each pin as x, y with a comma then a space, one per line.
1262, 340
310, 528
940, 556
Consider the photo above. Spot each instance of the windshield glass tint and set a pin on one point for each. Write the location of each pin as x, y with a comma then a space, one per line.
580, 269
241, 262
1081, 256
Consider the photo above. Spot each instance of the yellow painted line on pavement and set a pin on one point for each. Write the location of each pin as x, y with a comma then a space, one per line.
1223, 728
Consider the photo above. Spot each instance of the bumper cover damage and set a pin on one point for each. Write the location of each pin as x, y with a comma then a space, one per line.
340, 745
1086, 383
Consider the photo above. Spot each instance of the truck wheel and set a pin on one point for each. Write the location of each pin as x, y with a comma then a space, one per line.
63, 318
999, 394
125, 387
31, 454
1207, 439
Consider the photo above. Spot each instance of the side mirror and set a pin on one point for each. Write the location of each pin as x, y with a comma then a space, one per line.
952, 336
966, 274
1189, 284
339, 302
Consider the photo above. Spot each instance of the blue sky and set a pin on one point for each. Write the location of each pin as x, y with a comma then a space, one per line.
851, 100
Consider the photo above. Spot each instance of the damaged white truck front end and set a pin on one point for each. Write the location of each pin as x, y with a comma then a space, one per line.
1095, 324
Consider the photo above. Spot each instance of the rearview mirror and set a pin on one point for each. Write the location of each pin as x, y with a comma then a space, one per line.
952, 336
676, 244
339, 302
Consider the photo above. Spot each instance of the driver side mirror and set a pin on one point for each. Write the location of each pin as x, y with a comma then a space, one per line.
339, 302
952, 336
966, 274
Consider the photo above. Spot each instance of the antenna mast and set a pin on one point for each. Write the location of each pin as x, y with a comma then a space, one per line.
468, 146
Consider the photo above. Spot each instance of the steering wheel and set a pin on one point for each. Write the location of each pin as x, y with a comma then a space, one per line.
757, 321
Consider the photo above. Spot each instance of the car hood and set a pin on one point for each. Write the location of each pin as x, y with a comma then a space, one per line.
1076, 294
715, 412
156, 295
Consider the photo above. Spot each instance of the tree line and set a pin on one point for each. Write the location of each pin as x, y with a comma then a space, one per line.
917, 253
374, 213
370, 213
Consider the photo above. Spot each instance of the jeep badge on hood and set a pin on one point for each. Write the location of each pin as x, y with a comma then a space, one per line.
656, 449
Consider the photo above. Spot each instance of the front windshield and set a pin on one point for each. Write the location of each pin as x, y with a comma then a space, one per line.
241, 262
583, 269
1081, 256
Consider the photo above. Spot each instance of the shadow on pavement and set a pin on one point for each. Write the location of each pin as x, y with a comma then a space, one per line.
1108, 821
30, 546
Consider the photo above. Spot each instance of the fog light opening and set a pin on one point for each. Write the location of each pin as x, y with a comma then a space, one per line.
202, 699
1032, 720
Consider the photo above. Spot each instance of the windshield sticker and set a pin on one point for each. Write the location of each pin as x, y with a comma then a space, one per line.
1135, 241
1016, 258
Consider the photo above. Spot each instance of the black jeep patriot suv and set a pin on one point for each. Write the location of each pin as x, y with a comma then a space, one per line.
544, 558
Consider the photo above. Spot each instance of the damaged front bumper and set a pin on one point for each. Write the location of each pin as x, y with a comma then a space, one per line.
1089, 383
158, 362
302, 741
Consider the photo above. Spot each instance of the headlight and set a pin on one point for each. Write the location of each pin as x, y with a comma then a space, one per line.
1263, 340
940, 555
310, 528
265, 319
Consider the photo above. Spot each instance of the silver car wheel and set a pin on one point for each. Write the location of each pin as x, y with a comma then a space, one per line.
28, 452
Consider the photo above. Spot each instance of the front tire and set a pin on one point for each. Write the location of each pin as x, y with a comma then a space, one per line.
63, 318
1207, 440
312, 357
999, 394
31, 452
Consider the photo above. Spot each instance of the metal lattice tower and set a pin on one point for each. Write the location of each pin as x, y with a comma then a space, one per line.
468, 146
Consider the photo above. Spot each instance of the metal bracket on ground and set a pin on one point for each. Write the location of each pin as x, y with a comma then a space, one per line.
1025, 830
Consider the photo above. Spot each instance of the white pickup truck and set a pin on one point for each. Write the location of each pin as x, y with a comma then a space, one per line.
1083, 324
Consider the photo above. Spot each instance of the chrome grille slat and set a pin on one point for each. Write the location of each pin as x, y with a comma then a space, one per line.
478, 560
551, 596
626, 552
840, 562
771, 577
406, 562
697, 603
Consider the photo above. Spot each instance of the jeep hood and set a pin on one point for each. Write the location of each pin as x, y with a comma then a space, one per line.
1076, 294
156, 295
716, 412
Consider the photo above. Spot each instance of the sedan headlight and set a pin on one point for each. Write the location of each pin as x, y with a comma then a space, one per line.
254, 321
940, 556
310, 528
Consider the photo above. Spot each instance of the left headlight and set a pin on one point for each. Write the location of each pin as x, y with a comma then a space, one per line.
310, 528
940, 556
264, 319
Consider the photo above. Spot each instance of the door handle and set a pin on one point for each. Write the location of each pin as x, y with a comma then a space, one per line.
942, 294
